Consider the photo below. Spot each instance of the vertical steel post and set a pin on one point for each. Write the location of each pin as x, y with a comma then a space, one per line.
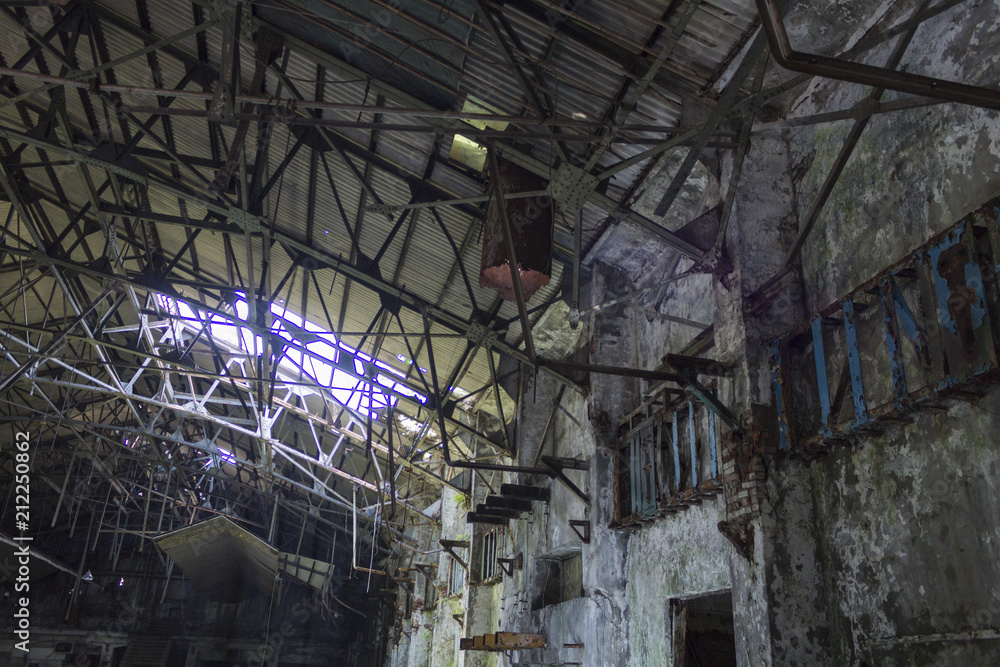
822, 383
677, 455
633, 469
891, 328
522, 309
712, 445
782, 393
694, 446
854, 365
574, 312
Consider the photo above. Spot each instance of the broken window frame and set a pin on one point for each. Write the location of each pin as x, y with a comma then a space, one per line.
455, 583
665, 441
489, 553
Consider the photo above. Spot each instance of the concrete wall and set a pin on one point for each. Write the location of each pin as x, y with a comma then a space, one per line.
866, 554
895, 540
676, 557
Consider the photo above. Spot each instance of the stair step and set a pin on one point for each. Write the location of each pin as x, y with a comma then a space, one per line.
486, 510
525, 491
509, 502
473, 517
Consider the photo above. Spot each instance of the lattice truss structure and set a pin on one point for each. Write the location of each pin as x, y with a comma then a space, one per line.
240, 241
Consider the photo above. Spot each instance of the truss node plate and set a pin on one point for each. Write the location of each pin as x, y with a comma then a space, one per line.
481, 335
572, 186
384, 209
244, 220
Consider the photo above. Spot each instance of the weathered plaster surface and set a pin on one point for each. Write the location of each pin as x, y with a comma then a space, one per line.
898, 538
677, 557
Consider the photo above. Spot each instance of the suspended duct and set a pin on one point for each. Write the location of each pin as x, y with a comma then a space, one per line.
224, 560
531, 230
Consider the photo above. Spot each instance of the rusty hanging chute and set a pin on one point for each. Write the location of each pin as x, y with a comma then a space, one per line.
531, 231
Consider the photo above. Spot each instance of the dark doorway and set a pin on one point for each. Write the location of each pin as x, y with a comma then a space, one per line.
703, 634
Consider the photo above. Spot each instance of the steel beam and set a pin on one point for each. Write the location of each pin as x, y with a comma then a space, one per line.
878, 77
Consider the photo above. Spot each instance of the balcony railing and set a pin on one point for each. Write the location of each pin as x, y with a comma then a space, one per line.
667, 458
924, 331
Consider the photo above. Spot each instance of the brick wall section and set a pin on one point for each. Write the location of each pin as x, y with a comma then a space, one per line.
744, 474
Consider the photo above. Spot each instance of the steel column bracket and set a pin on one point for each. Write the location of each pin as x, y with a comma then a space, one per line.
508, 565
557, 465
712, 261
451, 545
423, 568
710, 400
700, 365
405, 583
741, 535
561, 463
576, 525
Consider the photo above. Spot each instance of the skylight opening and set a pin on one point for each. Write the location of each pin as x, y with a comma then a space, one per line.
466, 150
363, 396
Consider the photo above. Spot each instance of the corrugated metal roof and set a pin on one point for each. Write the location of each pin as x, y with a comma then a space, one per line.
581, 60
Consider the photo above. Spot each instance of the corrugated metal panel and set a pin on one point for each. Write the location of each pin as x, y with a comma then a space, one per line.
311, 571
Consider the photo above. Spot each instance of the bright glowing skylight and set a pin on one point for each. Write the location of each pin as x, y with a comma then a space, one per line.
223, 456
325, 365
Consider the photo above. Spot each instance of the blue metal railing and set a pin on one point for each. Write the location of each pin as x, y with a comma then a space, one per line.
923, 331
668, 459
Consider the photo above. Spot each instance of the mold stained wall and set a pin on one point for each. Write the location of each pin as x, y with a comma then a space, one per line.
446, 630
682, 555
628, 576
897, 536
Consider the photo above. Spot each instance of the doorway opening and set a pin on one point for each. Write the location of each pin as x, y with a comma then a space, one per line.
703, 632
